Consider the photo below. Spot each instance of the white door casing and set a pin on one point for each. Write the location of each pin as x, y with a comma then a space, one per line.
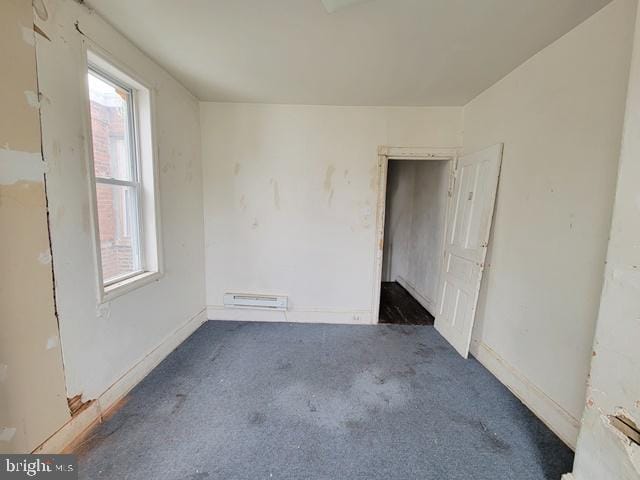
386, 153
468, 227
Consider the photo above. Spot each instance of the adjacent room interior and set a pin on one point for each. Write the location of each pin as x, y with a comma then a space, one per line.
416, 195
321, 238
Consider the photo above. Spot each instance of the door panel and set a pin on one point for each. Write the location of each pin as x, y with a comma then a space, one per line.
468, 228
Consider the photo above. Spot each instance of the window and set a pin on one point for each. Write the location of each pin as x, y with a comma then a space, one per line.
124, 175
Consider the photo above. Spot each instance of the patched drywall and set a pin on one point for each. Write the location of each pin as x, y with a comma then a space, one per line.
32, 392
415, 214
102, 342
614, 387
313, 237
560, 118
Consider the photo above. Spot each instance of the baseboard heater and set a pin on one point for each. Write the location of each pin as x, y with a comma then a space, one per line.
245, 300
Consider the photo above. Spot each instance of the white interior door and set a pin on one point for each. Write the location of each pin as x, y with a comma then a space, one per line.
468, 227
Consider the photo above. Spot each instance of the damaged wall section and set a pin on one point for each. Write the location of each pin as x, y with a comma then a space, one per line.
606, 446
104, 342
32, 392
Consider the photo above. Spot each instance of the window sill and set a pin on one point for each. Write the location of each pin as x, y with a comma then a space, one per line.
127, 285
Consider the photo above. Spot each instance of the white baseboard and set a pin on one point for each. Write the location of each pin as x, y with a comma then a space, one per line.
561, 422
421, 299
98, 408
568, 476
347, 317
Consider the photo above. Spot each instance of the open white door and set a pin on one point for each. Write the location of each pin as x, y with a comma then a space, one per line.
468, 227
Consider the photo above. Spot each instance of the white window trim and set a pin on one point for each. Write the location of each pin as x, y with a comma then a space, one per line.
136, 182
149, 201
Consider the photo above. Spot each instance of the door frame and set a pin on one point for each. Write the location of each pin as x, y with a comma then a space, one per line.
386, 153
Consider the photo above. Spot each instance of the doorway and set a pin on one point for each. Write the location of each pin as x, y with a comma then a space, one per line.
471, 194
416, 192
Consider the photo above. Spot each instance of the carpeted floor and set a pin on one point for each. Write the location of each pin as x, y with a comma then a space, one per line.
301, 402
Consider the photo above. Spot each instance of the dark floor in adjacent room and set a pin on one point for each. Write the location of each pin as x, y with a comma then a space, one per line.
397, 306
282, 401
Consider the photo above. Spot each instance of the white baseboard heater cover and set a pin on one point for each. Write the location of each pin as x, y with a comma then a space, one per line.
247, 300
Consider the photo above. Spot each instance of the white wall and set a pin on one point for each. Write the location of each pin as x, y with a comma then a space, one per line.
559, 116
615, 370
414, 226
290, 201
103, 342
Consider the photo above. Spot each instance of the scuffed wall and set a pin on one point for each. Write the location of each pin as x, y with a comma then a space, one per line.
290, 197
603, 452
32, 395
414, 226
102, 342
560, 118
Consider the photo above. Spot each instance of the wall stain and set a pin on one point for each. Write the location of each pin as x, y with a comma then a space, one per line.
236, 169
328, 182
328, 178
276, 193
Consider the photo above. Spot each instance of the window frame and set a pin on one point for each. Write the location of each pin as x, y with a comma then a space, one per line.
145, 172
135, 182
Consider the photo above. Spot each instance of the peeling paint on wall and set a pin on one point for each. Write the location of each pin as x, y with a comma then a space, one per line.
311, 152
7, 434
52, 342
608, 445
152, 313
32, 393
32, 98
21, 166
77, 405
626, 430
44, 257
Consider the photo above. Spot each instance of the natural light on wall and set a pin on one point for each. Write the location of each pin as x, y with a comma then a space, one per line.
124, 174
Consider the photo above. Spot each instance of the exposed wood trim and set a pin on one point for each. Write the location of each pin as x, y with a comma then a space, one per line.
76, 405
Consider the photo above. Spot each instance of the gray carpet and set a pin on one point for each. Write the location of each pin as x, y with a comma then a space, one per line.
281, 401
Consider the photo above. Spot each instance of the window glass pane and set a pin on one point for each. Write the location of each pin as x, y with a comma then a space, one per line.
119, 231
110, 123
